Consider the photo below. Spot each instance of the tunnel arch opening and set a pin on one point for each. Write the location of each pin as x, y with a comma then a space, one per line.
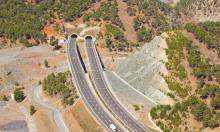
73, 35
88, 37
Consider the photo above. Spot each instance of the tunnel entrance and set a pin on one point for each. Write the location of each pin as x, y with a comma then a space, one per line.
73, 36
88, 37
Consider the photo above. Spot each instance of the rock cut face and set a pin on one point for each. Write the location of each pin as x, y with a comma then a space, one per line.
142, 70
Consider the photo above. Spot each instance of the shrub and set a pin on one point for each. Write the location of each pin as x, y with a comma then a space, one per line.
116, 32
32, 110
60, 83
4, 98
136, 107
213, 123
19, 95
46, 63
144, 36
215, 102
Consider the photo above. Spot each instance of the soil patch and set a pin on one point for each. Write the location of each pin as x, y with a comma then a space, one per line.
127, 21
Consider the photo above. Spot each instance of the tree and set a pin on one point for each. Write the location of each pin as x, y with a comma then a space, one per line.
86, 17
46, 63
131, 11
198, 110
213, 123
19, 95
137, 22
56, 47
143, 35
32, 110
215, 102
108, 42
53, 41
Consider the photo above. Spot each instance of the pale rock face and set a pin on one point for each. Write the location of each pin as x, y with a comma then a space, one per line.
142, 69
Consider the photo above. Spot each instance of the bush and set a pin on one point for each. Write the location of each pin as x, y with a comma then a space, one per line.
46, 63
109, 12
4, 98
60, 83
116, 32
19, 95
215, 102
136, 107
32, 110
207, 32
144, 36
53, 41
213, 123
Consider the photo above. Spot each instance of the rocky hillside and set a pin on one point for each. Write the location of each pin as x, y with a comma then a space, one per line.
142, 70
198, 10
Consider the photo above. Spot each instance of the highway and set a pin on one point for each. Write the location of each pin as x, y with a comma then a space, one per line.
102, 88
82, 85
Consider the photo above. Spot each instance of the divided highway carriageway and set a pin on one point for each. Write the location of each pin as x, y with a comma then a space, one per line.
101, 86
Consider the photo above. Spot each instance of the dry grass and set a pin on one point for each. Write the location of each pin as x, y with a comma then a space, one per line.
43, 122
79, 119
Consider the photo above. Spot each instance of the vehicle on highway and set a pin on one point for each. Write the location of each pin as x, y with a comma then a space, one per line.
113, 127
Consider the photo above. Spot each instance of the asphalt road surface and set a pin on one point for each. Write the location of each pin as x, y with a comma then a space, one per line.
106, 95
83, 87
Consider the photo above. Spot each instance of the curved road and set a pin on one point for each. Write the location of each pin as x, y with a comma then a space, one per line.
56, 114
106, 95
82, 85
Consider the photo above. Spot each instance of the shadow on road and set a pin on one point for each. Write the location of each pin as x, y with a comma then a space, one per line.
100, 59
81, 60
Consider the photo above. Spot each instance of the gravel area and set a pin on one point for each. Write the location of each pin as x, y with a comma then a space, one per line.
15, 126
21, 65
2, 104
142, 69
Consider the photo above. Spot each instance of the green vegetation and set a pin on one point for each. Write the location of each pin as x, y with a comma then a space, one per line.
212, 91
115, 32
176, 42
131, 11
32, 110
182, 6
136, 107
177, 87
207, 32
177, 80
46, 63
19, 95
173, 118
150, 7
60, 83
204, 103
53, 41
23, 21
201, 67
108, 11
144, 36
156, 17
115, 38
175, 115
